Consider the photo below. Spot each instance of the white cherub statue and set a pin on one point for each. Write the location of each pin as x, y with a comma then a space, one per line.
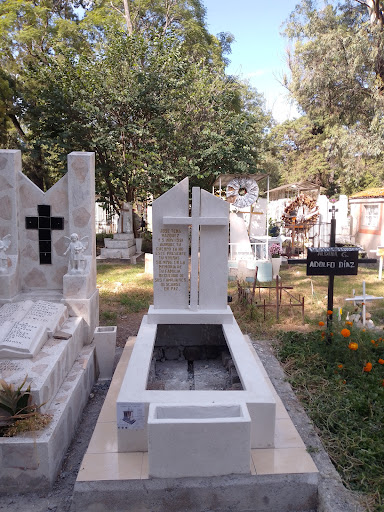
76, 248
5, 242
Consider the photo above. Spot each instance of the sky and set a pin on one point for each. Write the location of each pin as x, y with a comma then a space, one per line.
258, 52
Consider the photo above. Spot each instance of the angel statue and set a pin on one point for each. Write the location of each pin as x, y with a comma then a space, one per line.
4, 245
76, 248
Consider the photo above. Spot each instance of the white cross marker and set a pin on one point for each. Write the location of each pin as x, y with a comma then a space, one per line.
363, 299
195, 221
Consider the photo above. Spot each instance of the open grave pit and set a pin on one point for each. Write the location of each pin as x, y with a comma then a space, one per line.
192, 357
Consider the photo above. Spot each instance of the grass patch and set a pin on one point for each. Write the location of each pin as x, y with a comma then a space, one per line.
123, 289
315, 290
344, 396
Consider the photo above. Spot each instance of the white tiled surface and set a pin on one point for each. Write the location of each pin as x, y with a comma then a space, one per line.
103, 462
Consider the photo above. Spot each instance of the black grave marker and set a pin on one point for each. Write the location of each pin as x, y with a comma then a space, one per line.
332, 261
44, 223
337, 261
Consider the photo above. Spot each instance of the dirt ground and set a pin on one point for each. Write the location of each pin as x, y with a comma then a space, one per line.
333, 496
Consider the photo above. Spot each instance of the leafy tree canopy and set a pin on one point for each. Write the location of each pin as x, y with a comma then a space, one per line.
151, 115
337, 78
140, 83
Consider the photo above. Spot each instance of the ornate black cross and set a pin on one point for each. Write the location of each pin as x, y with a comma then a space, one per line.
44, 223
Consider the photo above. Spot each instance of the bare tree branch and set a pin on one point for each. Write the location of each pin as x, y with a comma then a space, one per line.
126, 14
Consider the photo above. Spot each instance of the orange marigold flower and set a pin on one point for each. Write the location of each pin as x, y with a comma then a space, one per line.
329, 312
368, 367
323, 334
363, 330
380, 339
381, 361
340, 366
373, 342
321, 324
353, 346
331, 333
346, 333
348, 322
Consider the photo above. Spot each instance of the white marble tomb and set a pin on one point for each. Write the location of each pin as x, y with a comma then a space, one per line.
183, 298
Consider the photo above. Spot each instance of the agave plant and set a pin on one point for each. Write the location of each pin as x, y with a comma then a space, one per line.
15, 402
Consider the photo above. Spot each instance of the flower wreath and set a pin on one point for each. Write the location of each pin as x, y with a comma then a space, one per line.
310, 215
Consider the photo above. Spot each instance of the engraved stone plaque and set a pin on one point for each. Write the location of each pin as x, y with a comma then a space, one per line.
25, 326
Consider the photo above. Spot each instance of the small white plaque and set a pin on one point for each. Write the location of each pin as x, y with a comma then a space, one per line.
130, 416
14, 311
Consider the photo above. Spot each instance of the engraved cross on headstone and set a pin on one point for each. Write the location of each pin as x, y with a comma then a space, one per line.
195, 221
44, 223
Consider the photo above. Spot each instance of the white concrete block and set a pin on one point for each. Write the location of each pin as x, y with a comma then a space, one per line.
198, 440
105, 343
148, 258
187, 316
124, 236
118, 253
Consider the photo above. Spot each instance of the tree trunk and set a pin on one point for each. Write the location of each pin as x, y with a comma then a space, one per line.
128, 17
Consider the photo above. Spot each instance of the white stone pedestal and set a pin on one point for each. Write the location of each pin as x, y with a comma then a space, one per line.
105, 343
121, 246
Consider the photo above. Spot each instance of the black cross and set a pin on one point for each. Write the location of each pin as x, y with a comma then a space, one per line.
44, 223
331, 273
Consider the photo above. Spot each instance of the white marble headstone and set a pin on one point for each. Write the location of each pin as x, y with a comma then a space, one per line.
209, 250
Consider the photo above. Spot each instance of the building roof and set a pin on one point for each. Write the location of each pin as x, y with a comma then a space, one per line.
294, 189
370, 192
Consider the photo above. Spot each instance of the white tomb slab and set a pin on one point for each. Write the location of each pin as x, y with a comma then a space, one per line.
49, 367
52, 314
170, 250
182, 298
24, 339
